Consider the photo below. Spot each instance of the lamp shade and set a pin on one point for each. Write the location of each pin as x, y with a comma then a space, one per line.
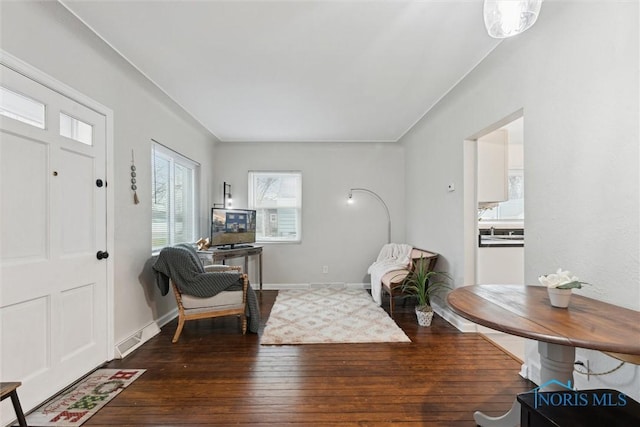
507, 18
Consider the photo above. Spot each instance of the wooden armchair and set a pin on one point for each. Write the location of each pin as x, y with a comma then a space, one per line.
392, 281
225, 303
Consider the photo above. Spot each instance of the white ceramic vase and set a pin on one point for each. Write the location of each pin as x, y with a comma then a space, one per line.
559, 297
424, 315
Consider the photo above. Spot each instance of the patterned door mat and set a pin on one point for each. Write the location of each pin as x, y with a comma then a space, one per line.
81, 401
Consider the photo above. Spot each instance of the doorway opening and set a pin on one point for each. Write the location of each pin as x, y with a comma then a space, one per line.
494, 213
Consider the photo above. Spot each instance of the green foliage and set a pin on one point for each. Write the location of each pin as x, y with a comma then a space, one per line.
423, 284
571, 285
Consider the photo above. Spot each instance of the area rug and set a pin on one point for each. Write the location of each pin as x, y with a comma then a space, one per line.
81, 401
329, 315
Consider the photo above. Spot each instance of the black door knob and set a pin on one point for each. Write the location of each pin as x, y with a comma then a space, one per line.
102, 255
99, 183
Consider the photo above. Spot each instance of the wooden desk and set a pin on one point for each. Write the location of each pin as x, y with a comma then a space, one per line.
221, 255
526, 311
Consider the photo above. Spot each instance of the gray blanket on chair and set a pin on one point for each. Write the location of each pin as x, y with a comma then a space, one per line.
181, 263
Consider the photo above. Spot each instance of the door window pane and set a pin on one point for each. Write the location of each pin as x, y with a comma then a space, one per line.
70, 127
21, 108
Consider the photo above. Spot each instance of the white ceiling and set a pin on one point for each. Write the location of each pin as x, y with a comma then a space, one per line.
297, 70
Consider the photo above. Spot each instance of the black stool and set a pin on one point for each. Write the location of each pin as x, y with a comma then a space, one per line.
11, 390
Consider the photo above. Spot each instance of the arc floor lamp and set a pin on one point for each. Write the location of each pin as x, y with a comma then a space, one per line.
374, 194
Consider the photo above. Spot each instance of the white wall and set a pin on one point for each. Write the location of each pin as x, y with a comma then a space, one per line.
45, 35
575, 75
346, 238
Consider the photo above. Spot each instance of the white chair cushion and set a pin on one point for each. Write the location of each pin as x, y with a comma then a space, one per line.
395, 277
223, 300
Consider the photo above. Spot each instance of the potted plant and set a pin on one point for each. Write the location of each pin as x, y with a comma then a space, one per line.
423, 284
559, 286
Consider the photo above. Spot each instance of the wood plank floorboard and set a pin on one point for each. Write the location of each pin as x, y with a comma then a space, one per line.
214, 376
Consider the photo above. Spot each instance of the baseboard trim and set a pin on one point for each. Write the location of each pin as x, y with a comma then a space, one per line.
167, 317
531, 370
286, 286
134, 341
460, 323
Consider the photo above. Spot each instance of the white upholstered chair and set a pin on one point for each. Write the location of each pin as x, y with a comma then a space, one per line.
225, 303
392, 281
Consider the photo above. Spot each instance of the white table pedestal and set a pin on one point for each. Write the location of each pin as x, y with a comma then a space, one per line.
526, 311
556, 369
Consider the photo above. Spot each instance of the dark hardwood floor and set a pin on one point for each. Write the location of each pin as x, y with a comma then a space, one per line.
216, 376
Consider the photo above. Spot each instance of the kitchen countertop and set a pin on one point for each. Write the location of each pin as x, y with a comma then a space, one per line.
501, 237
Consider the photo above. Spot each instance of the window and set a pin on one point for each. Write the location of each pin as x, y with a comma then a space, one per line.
21, 108
277, 199
72, 128
173, 198
512, 209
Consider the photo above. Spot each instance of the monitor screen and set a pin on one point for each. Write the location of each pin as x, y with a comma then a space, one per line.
232, 227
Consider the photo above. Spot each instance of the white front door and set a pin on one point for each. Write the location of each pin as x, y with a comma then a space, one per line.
53, 288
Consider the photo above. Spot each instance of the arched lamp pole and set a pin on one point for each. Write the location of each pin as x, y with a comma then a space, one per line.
374, 194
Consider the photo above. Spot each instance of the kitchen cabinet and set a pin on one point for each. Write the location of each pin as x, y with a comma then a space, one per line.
493, 166
500, 265
500, 256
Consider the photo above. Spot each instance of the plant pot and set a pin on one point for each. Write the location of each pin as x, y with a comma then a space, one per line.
424, 314
559, 297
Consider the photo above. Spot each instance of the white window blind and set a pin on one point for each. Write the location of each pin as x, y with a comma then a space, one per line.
173, 198
277, 198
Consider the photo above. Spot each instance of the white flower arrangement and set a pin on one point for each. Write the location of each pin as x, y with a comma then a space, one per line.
561, 280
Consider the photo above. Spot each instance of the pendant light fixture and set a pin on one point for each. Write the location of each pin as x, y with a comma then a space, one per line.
507, 18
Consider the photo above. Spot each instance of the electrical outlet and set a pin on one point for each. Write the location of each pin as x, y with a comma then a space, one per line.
582, 366
325, 269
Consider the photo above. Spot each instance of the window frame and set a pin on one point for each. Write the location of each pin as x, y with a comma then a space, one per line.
175, 159
297, 238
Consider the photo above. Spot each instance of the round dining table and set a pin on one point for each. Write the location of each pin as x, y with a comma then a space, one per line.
526, 311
